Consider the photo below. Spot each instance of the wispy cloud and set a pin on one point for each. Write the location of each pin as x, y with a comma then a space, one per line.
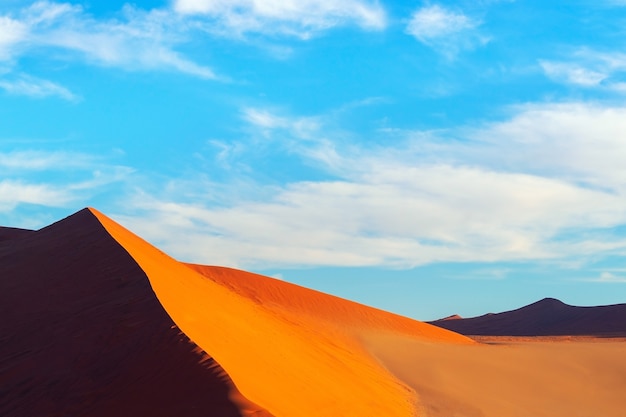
571, 73
446, 30
589, 69
300, 127
55, 179
482, 274
147, 40
11, 33
544, 184
141, 40
581, 143
13, 193
32, 160
25, 85
607, 278
302, 18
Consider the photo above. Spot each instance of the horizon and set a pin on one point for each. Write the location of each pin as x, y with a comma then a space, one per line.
429, 159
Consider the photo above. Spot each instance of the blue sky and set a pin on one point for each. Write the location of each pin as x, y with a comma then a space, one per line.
427, 158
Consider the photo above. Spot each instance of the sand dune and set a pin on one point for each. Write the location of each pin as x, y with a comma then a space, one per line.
547, 317
266, 334
97, 322
82, 334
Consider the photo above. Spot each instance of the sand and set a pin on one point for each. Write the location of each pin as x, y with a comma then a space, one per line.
509, 377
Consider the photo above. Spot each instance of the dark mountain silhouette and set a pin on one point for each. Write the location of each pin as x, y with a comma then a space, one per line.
83, 334
547, 317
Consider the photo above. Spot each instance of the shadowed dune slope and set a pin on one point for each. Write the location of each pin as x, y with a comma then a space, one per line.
547, 317
294, 351
82, 334
8, 233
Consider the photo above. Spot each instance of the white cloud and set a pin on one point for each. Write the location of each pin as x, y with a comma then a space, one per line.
432, 214
147, 40
25, 85
292, 17
300, 127
608, 278
546, 184
571, 73
142, 40
264, 119
434, 21
54, 179
588, 68
11, 33
13, 193
31, 160
448, 31
580, 143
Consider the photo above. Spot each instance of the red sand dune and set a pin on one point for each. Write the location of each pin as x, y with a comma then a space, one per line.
547, 317
90, 318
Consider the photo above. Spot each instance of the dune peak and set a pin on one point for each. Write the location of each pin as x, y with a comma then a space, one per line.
82, 333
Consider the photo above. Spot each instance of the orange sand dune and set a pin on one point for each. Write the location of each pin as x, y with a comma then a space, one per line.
268, 337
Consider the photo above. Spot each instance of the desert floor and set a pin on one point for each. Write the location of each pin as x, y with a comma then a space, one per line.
510, 376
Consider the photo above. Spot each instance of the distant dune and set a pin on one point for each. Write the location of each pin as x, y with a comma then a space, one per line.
94, 321
547, 317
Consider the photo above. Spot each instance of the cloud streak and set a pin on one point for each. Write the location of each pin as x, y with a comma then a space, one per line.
607, 278
32, 160
14, 193
303, 18
25, 85
147, 40
55, 179
588, 68
140, 40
